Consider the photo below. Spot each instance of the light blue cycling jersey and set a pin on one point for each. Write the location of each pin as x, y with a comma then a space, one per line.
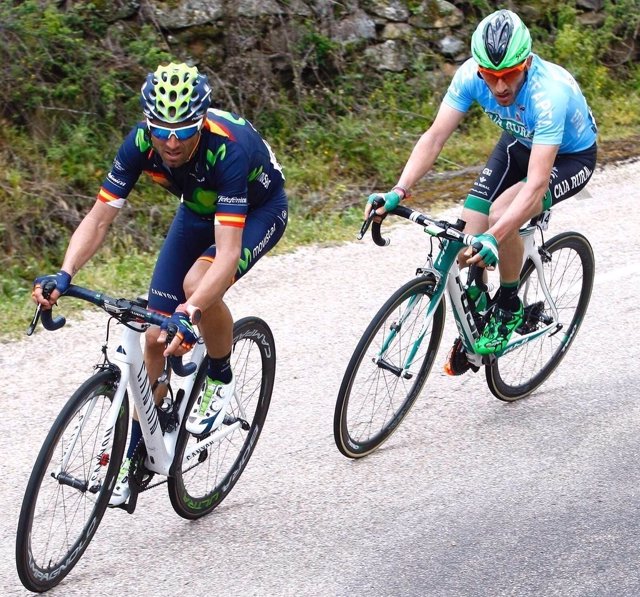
549, 108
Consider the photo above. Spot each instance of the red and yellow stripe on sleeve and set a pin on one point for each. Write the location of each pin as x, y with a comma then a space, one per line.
227, 219
111, 199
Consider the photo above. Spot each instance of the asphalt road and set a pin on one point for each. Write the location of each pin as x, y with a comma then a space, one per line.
471, 496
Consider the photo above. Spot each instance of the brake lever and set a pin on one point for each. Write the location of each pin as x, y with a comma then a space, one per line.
181, 369
34, 321
366, 224
476, 273
378, 202
46, 315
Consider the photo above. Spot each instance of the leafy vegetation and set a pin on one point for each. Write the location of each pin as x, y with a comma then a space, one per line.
72, 73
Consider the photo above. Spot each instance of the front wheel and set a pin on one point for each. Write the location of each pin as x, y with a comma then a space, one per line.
568, 270
388, 369
70, 484
203, 477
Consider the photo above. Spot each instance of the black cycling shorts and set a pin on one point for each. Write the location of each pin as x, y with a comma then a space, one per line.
509, 163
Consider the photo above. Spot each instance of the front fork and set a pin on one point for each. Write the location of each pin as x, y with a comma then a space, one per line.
99, 460
437, 272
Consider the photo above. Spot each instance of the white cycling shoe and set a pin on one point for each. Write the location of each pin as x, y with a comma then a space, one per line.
210, 408
121, 491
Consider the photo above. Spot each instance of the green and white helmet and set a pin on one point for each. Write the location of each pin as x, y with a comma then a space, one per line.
175, 93
501, 40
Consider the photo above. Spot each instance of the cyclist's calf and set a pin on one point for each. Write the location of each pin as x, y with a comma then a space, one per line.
154, 359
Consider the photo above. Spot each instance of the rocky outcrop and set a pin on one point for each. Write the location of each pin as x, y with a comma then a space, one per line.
263, 45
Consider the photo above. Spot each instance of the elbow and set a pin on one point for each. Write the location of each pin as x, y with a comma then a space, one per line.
102, 228
538, 193
232, 260
434, 139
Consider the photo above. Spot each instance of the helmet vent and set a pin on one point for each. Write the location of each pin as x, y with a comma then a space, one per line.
497, 36
175, 93
501, 40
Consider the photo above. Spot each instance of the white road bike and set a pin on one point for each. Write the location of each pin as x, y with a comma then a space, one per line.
75, 472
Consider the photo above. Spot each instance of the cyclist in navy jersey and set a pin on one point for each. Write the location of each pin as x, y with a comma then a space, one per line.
233, 209
547, 152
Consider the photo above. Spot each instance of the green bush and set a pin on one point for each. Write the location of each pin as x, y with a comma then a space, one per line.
71, 78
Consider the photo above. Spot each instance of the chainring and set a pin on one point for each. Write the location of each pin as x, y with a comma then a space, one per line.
139, 474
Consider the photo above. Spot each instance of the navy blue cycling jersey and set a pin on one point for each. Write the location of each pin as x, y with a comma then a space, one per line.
232, 171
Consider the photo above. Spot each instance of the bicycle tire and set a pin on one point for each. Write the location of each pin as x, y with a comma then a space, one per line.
374, 399
569, 275
59, 516
197, 489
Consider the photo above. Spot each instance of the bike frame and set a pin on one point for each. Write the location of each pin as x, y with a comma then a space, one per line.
160, 447
446, 273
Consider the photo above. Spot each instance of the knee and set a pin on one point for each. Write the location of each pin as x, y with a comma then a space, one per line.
475, 221
151, 340
194, 277
215, 310
189, 285
494, 215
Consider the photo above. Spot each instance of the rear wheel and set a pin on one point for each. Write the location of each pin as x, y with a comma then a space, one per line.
203, 478
378, 388
569, 268
70, 484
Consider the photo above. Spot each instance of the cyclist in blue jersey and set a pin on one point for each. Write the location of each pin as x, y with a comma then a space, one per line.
233, 209
547, 152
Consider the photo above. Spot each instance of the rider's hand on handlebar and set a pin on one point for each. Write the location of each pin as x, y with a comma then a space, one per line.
57, 284
178, 329
391, 201
484, 251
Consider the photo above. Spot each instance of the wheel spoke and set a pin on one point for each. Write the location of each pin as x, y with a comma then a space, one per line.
58, 517
569, 277
199, 487
376, 392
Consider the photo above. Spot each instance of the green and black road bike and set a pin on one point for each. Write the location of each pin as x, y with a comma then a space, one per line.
392, 361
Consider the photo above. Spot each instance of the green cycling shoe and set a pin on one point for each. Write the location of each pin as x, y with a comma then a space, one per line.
498, 330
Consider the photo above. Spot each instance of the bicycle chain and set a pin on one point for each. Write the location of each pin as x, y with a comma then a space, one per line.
139, 474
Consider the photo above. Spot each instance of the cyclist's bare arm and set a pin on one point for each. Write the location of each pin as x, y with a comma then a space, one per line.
89, 236
215, 278
427, 149
528, 201
430, 144
526, 204
84, 243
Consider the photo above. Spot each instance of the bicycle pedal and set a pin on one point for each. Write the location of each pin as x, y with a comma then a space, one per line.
457, 362
130, 505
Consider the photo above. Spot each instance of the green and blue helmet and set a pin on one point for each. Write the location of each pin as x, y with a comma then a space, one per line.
501, 40
175, 93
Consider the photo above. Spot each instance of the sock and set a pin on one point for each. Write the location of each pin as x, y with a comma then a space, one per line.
136, 436
220, 369
508, 296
